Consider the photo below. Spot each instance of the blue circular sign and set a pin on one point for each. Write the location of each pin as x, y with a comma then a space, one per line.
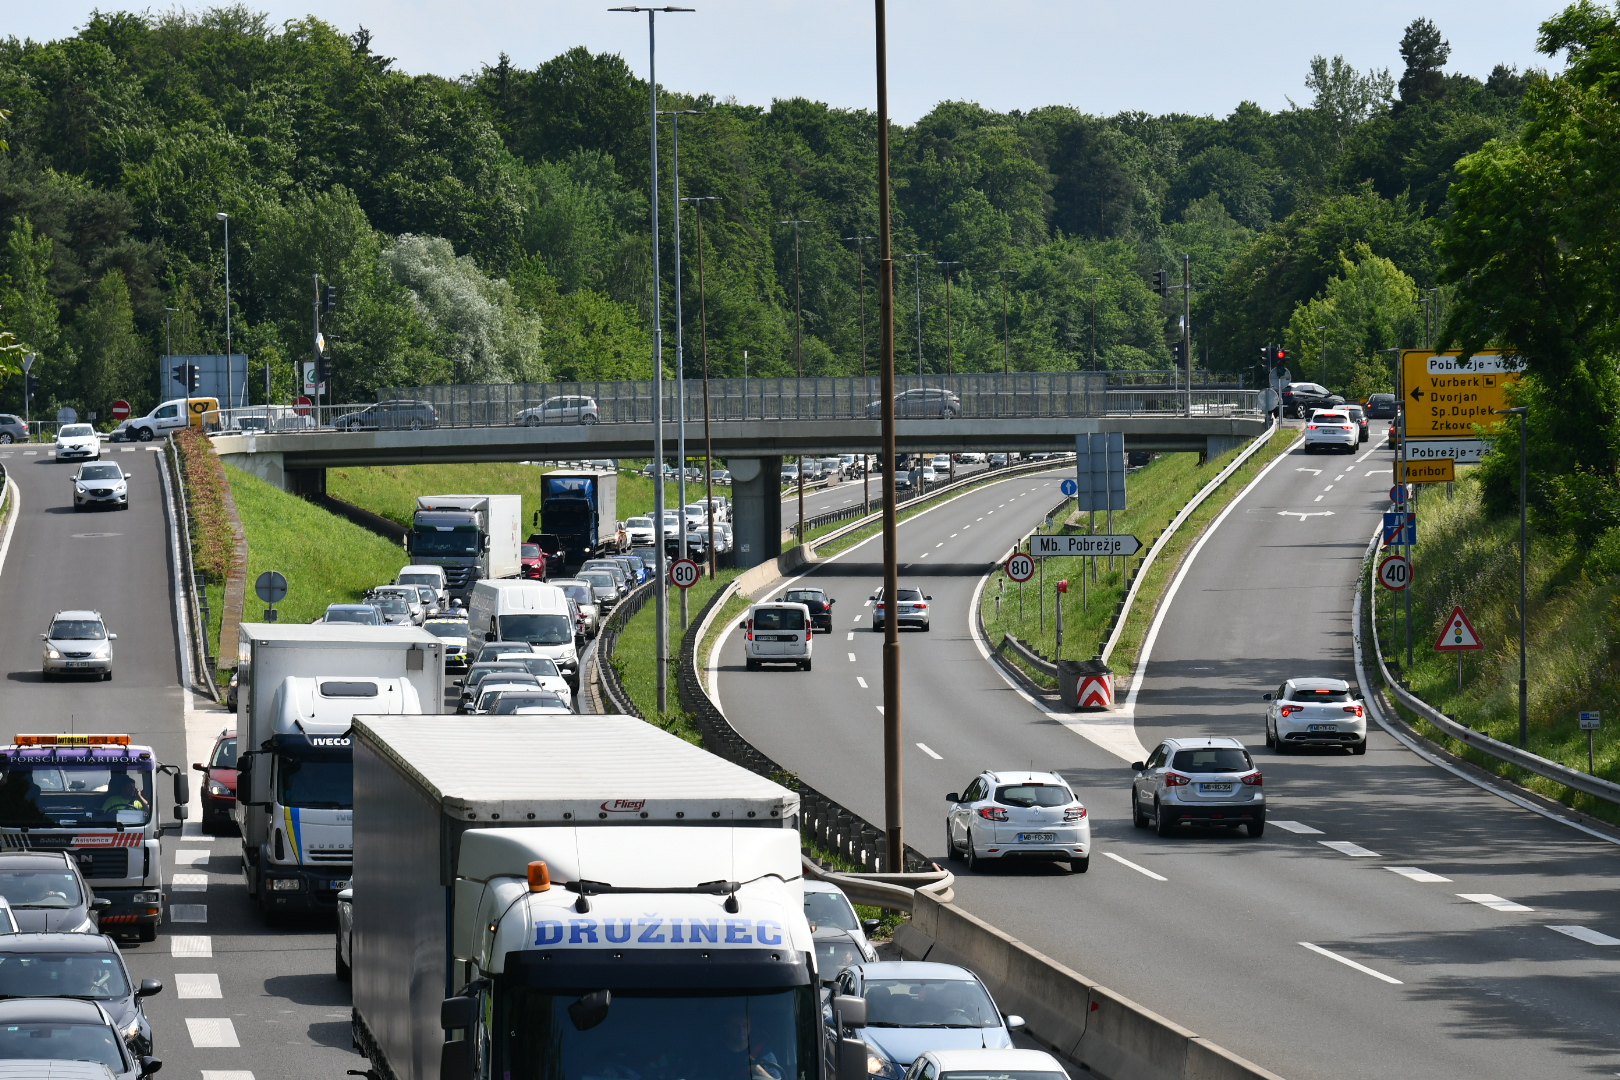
1397, 493
1069, 487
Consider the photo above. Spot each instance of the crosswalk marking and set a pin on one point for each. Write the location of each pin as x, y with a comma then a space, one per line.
1296, 827
1345, 847
226, 1074
192, 857
191, 946
1415, 873
1586, 934
189, 883
1494, 902
188, 913
211, 1031
194, 986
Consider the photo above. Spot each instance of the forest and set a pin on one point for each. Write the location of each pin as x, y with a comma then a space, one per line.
495, 227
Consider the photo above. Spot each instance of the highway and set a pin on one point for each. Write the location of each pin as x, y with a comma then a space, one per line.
250, 1002
1422, 944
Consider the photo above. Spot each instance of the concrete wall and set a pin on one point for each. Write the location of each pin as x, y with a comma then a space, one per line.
756, 510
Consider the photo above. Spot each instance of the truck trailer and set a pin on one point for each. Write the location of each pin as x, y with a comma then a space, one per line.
562, 897
299, 688
579, 508
471, 536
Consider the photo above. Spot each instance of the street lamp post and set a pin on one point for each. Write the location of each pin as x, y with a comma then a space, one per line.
1006, 339
950, 346
798, 352
916, 274
1522, 412
697, 202
661, 590
860, 292
168, 353
230, 376
680, 341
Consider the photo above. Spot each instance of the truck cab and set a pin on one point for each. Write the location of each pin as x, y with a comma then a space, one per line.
471, 536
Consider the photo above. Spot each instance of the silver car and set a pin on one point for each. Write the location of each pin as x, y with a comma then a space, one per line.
1315, 712
414, 612
562, 410
1203, 781
100, 484
77, 644
912, 609
584, 598
603, 586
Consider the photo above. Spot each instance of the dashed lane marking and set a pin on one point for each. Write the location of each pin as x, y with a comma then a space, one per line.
1494, 902
880, 708
1415, 873
1586, 934
862, 682
191, 947
211, 1031
1296, 827
925, 748
188, 913
1317, 499
1328, 488
940, 544
926, 554
191, 986
226, 1074
1345, 847
851, 636
1347, 962
189, 883
852, 658
192, 857
1144, 871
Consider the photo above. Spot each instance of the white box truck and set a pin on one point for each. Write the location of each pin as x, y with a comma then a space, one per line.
471, 536
299, 688
578, 897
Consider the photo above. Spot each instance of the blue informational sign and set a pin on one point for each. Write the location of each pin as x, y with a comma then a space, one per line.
1400, 527
1069, 487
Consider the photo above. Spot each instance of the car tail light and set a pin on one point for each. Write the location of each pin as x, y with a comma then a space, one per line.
1253, 780
1356, 709
879, 604
1311, 426
1290, 710
919, 607
1172, 779
992, 813
1074, 813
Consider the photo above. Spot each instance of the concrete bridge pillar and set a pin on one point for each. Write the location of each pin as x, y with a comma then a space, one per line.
1216, 445
756, 509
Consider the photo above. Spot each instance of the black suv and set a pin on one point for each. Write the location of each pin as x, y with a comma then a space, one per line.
1300, 398
390, 416
1382, 407
819, 603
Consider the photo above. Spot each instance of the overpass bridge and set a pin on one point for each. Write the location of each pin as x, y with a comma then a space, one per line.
755, 427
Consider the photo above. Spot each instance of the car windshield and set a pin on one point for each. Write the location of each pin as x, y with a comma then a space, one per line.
829, 909
366, 616
541, 666
479, 674
73, 431
833, 956
1325, 694
579, 594
531, 551
600, 580
908, 594
67, 974
806, 596
639, 523
1034, 795
101, 472
511, 701
537, 629
392, 605
60, 793
940, 1003
40, 888
505, 681
781, 618
77, 630
46, 1041
1003, 1074
430, 580
447, 629
1218, 759
315, 781
456, 542
1335, 417
224, 755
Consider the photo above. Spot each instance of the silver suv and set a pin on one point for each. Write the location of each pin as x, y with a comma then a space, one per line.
1204, 781
77, 644
100, 484
1320, 712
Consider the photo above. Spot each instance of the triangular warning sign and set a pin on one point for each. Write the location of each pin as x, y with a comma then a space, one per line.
1458, 633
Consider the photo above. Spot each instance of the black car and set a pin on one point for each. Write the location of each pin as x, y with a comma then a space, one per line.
64, 1029
1358, 416
46, 892
390, 416
84, 966
1382, 407
819, 603
1298, 399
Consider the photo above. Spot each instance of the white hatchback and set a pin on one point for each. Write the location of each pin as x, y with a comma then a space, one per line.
1315, 712
1031, 816
1331, 429
777, 634
77, 442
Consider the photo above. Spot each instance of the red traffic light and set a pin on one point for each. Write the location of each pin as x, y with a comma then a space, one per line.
1282, 354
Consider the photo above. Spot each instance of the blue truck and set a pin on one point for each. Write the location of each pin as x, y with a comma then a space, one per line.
578, 508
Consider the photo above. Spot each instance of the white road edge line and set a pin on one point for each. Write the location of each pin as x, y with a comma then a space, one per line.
1144, 871
1347, 962
182, 624
925, 748
1494, 902
1586, 934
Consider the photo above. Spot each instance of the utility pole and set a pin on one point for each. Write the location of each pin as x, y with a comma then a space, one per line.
950, 347
680, 343
917, 275
168, 356
798, 350
860, 266
661, 590
1006, 338
1186, 324
697, 202
316, 349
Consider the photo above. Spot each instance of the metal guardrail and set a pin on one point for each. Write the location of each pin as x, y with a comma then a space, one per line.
608, 639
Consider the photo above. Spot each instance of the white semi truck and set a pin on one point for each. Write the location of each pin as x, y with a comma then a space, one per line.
562, 897
299, 688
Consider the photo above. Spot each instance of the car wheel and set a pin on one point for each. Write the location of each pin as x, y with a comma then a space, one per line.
950, 846
1161, 823
47, 675
416, 425
5, 438
1257, 828
1080, 865
753, 665
974, 863
1359, 748
143, 434
925, 627
1271, 740
805, 665
532, 421
339, 963
106, 676
146, 932
1281, 745
1139, 819
77, 506
587, 419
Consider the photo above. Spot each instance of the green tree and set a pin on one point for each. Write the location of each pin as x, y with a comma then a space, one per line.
112, 358
1371, 306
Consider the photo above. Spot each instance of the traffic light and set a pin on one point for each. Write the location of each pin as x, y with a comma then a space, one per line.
30, 385
328, 298
1176, 352
1161, 283
189, 376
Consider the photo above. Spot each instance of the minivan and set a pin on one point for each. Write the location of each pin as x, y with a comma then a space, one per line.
777, 633
531, 611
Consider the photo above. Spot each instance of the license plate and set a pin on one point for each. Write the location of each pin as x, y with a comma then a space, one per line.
1036, 837
340, 884
1214, 787
78, 664
1324, 727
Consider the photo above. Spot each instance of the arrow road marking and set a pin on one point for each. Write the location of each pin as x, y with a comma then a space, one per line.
1317, 472
1302, 515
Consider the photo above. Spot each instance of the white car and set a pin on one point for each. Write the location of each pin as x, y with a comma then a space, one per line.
100, 484
1331, 429
941, 463
508, 701
77, 644
639, 530
77, 442
969, 459
826, 905
495, 684
1315, 712
984, 1063
778, 634
672, 524
1030, 816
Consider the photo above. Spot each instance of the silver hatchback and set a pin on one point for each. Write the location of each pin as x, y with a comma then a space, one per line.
1203, 781
77, 644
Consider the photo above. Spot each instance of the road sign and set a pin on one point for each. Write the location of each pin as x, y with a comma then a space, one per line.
1446, 397
271, 587
66, 415
684, 573
1458, 634
1438, 471
1069, 488
1400, 527
1591, 721
1395, 573
1462, 451
1020, 567
302, 406
1044, 545
28, 362
1397, 494
120, 409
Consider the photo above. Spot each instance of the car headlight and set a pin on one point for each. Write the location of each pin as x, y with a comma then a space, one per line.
132, 1031
148, 898
218, 789
51, 653
877, 1065
78, 487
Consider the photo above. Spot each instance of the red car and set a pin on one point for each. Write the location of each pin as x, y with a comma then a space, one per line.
534, 562
218, 795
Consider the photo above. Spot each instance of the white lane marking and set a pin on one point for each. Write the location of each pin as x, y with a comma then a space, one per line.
191, 946
940, 544
880, 708
925, 748
1367, 455
1316, 472
1341, 476
1494, 902
1345, 847
1416, 873
1139, 869
189, 883
188, 913
978, 519
30, 453
1317, 499
857, 620
862, 682
852, 658
1376, 472
1347, 962
211, 1031
197, 986
868, 603
227, 1074
1296, 827
1586, 934
1328, 488
192, 857
953, 536
964, 528
851, 636
926, 554
992, 511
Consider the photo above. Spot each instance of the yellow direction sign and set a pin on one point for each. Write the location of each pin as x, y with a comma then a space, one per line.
1438, 471
1445, 396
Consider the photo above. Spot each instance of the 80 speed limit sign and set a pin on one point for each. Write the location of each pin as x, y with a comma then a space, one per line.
1395, 573
1020, 567
684, 572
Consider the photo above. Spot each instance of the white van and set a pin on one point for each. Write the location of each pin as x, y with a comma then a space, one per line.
431, 576
170, 416
778, 634
531, 611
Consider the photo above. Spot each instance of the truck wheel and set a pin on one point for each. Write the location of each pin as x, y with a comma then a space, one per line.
146, 932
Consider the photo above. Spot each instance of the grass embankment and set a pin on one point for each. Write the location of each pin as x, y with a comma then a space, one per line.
391, 490
326, 559
1155, 494
213, 546
635, 657
1463, 557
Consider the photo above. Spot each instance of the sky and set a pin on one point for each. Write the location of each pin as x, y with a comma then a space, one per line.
1101, 57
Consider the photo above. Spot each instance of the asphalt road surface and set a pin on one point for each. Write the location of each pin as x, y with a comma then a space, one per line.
1445, 934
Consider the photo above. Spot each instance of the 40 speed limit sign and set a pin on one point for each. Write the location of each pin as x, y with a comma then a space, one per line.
1395, 573
684, 572
1020, 567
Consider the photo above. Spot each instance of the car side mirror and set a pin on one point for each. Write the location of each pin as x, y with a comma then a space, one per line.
112, 637
928, 598
149, 987
1015, 1022
870, 926
199, 766
100, 903
1265, 697
850, 1010
1138, 766
150, 1065
182, 792
955, 796
458, 1012
869, 598
43, 637
831, 601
